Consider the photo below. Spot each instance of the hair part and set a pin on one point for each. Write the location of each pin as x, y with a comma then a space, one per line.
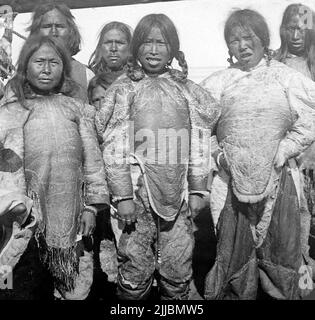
96, 62
169, 32
19, 82
74, 37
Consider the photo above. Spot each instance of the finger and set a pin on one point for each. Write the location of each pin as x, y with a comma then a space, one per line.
128, 221
81, 227
133, 218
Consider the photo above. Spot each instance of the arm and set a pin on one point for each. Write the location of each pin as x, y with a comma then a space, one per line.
204, 113
112, 122
96, 195
301, 98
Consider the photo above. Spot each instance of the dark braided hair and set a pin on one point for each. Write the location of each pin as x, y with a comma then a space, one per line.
169, 32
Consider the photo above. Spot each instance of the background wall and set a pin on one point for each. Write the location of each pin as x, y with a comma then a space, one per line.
200, 25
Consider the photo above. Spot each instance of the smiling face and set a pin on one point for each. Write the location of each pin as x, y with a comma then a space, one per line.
154, 53
115, 49
295, 33
245, 46
44, 69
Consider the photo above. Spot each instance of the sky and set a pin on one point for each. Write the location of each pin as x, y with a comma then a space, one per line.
200, 25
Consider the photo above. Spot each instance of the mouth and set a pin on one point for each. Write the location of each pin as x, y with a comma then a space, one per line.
45, 80
245, 56
153, 61
113, 58
296, 44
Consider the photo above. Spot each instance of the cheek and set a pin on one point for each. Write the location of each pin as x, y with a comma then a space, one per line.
44, 32
105, 50
233, 50
57, 74
31, 74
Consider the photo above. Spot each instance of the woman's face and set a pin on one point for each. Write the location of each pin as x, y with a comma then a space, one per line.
98, 95
245, 46
55, 24
154, 53
295, 32
115, 49
44, 69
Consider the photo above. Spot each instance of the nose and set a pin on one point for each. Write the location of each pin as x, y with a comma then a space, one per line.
47, 68
53, 31
153, 48
296, 34
243, 45
113, 46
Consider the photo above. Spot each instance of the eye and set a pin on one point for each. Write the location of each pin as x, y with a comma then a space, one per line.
161, 42
233, 42
45, 26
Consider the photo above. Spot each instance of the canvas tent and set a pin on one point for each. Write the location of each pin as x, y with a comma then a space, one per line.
22, 6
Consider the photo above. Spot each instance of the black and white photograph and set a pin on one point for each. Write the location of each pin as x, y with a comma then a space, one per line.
157, 153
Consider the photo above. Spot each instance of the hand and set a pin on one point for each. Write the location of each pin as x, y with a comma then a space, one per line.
222, 161
87, 223
279, 161
17, 214
126, 210
196, 204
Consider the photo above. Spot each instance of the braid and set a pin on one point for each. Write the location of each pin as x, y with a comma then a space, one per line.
133, 72
180, 76
182, 63
230, 59
269, 55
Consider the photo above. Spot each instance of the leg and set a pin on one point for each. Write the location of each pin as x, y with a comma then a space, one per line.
136, 260
235, 273
176, 243
280, 255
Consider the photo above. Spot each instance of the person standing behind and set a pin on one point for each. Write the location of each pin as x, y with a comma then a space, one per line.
297, 50
108, 61
55, 19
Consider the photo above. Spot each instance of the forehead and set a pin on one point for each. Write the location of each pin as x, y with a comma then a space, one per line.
45, 52
115, 34
54, 16
295, 20
239, 31
155, 33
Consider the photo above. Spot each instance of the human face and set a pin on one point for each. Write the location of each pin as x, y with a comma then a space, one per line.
44, 69
115, 49
55, 24
154, 53
98, 95
246, 47
295, 31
